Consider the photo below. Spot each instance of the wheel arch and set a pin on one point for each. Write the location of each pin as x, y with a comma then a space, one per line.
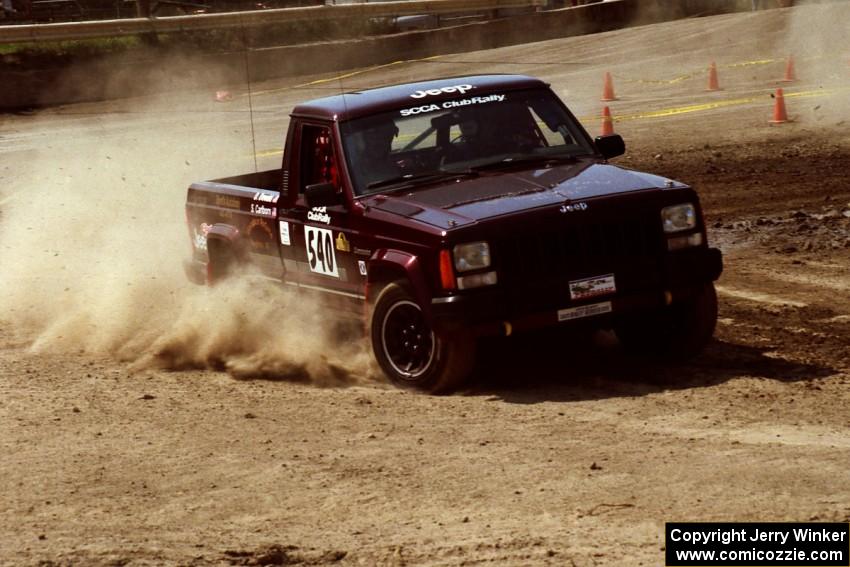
387, 266
224, 246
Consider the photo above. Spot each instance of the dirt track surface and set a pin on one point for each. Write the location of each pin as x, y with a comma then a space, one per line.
576, 455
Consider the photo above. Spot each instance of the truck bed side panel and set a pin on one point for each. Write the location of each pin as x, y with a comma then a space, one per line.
252, 211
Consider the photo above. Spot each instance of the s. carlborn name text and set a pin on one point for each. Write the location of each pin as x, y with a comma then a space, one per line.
726, 537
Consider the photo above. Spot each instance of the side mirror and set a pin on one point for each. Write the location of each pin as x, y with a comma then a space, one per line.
611, 145
322, 195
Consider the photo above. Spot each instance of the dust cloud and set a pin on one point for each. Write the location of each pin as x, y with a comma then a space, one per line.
92, 240
816, 36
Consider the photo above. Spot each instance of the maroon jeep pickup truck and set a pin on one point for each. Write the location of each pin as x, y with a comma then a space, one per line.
452, 209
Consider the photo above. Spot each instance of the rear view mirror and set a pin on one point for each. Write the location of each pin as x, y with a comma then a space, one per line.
322, 195
610, 146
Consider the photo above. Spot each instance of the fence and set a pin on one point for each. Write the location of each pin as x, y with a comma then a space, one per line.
172, 24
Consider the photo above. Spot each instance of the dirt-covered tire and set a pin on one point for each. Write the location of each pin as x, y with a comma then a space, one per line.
409, 352
221, 262
679, 331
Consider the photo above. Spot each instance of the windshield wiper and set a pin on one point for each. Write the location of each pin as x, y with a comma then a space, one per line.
409, 178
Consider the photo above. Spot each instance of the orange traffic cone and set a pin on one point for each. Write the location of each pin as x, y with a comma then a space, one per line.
607, 122
790, 75
608, 89
713, 85
779, 115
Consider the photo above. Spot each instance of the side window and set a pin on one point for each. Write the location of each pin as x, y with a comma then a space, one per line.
318, 160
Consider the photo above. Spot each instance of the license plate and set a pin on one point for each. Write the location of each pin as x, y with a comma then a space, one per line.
584, 311
592, 287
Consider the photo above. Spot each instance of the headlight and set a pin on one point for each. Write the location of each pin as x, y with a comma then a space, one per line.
677, 218
472, 256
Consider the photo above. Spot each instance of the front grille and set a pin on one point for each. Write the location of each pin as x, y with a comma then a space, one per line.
537, 262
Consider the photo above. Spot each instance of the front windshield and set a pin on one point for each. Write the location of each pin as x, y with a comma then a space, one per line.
466, 134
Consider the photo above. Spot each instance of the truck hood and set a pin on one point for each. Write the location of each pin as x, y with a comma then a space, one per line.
493, 194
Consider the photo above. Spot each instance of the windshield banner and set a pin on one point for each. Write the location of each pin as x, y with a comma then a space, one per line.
449, 104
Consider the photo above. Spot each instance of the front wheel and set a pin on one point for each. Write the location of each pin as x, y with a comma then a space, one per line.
408, 350
679, 331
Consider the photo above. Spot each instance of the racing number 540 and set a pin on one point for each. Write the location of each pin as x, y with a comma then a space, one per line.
320, 251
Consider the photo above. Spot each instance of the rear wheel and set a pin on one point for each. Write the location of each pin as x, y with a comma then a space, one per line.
408, 350
221, 261
679, 331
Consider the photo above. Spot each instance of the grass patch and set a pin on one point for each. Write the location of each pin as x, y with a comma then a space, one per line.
72, 48
29, 55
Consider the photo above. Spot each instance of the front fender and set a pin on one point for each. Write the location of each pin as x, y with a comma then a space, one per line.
389, 265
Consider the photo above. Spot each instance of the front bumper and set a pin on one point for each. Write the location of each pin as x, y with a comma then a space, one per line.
491, 311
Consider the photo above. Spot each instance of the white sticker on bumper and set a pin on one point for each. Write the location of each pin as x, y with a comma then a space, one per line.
592, 287
584, 311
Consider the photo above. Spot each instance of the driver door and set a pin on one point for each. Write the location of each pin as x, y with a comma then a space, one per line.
319, 255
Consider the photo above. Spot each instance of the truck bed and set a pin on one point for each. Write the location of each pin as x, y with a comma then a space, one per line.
267, 180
